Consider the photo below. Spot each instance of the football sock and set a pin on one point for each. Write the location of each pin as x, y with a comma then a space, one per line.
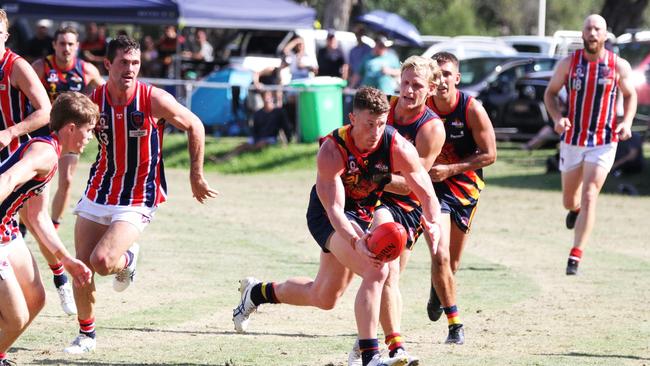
394, 342
453, 316
368, 348
60, 278
128, 258
87, 327
56, 224
263, 293
575, 254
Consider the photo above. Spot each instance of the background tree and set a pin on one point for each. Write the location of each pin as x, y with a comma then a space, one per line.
624, 14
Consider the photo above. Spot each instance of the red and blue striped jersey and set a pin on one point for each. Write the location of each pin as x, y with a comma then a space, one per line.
10, 206
14, 105
409, 130
128, 170
365, 174
592, 88
57, 80
464, 188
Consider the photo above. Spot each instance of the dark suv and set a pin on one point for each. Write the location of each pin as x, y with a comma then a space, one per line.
527, 113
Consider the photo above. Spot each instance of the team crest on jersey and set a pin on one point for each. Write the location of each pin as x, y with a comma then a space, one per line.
604, 71
353, 168
137, 119
52, 77
3, 87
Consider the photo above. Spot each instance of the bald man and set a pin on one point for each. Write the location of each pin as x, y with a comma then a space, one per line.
594, 78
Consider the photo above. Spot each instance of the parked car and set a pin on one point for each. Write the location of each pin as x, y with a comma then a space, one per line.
527, 113
635, 48
492, 80
464, 47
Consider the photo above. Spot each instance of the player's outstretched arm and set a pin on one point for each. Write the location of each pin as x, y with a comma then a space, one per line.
406, 161
25, 79
166, 107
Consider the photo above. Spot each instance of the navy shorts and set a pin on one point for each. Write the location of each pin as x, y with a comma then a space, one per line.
319, 224
412, 221
461, 215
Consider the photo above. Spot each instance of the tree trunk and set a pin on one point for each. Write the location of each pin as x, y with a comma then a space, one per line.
623, 14
337, 14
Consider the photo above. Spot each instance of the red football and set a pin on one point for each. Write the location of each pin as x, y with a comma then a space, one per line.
387, 241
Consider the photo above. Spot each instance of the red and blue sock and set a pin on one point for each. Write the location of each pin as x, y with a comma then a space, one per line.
87, 327
60, 278
369, 348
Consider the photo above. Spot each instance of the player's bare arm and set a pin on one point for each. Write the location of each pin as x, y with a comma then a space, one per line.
164, 106
93, 77
406, 161
551, 95
332, 195
24, 78
428, 142
480, 125
624, 129
39, 160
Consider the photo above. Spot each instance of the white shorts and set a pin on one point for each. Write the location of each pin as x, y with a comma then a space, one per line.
138, 216
572, 156
5, 266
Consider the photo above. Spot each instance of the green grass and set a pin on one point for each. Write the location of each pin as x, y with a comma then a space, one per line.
518, 306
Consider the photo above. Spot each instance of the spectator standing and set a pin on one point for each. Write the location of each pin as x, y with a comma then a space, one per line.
331, 60
380, 68
93, 46
41, 44
357, 54
301, 64
167, 49
150, 64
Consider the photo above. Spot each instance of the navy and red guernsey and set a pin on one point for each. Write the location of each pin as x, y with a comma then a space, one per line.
15, 200
129, 168
365, 174
14, 105
465, 188
57, 80
592, 91
409, 130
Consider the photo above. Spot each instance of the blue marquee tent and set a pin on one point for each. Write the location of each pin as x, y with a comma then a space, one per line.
250, 14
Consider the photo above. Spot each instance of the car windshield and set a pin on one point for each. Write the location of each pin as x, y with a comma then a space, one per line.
634, 52
474, 70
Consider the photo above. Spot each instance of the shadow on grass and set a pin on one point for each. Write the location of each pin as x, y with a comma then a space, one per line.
228, 333
593, 355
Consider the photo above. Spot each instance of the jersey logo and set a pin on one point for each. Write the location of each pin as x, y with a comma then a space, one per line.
52, 77
137, 119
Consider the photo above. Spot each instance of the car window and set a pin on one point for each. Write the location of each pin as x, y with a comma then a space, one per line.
634, 52
529, 48
474, 70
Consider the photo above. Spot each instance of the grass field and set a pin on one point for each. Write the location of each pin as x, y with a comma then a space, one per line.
518, 306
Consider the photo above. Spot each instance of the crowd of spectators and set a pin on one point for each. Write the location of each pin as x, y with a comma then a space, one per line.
164, 50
